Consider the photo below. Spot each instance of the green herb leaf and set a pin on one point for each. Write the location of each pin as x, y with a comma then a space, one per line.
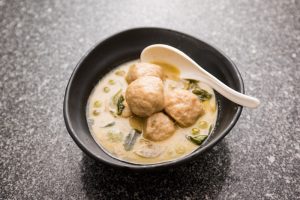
116, 97
117, 101
120, 73
131, 139
192, 84
203, 95
198, 140
120, 105
108, 125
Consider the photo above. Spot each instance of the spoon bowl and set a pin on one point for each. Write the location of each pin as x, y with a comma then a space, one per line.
191, 70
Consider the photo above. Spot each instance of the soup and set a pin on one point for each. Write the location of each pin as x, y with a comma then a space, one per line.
144, 113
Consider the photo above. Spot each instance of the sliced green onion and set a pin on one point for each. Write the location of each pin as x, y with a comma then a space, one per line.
97, 104
195, 131
120, 73
106, 89
111, 82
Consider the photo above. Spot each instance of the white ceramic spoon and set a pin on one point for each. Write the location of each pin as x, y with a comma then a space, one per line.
191, 70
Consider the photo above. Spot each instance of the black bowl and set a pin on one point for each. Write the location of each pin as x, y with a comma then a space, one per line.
126, 46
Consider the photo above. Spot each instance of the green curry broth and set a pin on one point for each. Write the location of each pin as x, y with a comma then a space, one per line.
99, 115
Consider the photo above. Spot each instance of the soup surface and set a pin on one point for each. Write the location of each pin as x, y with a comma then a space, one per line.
123, 137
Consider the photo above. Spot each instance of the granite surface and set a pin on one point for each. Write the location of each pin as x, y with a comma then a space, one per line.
40, 44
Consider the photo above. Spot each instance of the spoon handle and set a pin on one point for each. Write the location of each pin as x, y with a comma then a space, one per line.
224, 90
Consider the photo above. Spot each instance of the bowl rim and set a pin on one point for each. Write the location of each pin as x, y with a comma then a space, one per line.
181, 160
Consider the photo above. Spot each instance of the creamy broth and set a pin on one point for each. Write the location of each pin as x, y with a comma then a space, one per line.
111, 130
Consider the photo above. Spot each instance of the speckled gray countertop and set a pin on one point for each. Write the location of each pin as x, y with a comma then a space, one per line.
40, 44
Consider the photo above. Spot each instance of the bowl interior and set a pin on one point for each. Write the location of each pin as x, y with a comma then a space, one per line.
127, 46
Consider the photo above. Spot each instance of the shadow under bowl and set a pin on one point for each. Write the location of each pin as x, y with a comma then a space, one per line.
126, 46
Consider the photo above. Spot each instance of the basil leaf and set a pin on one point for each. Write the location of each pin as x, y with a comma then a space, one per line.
192, 84
203, 95
120, 105
198, 140
116, 97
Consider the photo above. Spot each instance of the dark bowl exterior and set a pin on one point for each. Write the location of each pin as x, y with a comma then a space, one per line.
126, 46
